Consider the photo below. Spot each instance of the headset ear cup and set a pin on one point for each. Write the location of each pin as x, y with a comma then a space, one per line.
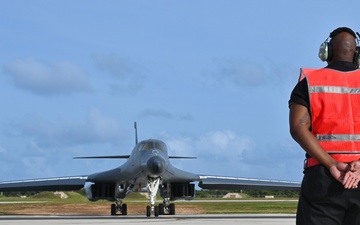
324, 51
329, 52
357, 56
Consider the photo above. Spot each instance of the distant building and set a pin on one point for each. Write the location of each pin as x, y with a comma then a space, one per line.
232, 195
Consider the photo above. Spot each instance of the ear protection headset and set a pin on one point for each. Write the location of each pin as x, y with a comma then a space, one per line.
325, 51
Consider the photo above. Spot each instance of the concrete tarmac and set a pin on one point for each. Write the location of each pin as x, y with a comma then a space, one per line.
202, 219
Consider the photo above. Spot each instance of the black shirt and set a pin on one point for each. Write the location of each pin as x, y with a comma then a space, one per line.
300, 93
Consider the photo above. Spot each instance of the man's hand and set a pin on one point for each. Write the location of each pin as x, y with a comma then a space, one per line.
352, 176
338, 171
354, 166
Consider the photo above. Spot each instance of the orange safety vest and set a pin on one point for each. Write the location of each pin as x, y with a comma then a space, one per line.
335, 112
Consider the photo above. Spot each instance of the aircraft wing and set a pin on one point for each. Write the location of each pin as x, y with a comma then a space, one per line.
45, 184
236, 183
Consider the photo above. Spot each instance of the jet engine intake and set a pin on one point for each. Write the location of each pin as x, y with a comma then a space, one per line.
100, 191
182, 191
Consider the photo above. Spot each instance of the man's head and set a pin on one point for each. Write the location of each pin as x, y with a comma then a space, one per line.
342, 46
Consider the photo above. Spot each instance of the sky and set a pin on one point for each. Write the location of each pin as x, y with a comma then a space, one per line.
211, 78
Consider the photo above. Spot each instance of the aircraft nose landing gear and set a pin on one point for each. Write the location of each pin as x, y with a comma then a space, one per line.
152, 209
152, 187
161, 209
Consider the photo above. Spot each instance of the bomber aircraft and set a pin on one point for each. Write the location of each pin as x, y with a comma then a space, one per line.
147, 167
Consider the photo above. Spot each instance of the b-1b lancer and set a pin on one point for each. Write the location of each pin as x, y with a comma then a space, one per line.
147, 167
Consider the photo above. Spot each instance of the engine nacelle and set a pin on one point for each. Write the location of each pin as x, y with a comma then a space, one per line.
182, 191
101, 191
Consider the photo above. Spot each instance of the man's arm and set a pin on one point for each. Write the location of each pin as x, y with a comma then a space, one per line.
300, 123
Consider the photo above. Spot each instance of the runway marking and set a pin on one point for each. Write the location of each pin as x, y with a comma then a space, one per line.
198, 219
180, 216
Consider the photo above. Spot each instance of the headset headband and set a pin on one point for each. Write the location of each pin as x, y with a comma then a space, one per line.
342, 29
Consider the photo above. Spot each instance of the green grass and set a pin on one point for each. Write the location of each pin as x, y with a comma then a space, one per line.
246, 207
136, 199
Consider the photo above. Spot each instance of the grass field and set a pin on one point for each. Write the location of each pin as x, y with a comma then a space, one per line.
48, 203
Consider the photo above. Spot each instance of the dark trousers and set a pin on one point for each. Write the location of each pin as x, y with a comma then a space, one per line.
324, 201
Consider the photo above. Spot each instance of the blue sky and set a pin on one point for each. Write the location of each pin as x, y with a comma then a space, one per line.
210, 78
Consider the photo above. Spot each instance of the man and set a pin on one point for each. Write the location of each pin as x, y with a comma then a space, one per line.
325, 121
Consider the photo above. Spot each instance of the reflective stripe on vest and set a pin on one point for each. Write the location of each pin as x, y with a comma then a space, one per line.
335, 109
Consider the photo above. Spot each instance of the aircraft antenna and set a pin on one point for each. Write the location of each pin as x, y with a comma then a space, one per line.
136, 134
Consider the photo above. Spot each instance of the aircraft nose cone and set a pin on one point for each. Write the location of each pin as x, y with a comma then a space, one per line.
156, 165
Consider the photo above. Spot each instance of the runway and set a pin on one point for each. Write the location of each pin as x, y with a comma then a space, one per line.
201, 219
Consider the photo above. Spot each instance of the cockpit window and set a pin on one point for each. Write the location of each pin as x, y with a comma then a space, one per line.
160, 145
153, 145
147, 146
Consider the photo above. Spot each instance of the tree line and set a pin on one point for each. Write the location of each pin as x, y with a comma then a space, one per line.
250, 193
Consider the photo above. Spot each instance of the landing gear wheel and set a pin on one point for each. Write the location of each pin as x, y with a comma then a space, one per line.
172, 209
161, 209
113, 209
156, 211
124, 209
148, 211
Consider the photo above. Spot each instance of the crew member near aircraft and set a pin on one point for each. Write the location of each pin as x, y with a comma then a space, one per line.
325, 121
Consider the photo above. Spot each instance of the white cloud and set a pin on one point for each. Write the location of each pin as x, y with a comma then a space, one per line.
226, 153
2, 150
183, 146
224, 145
217, 152
222, 140
97, 128
113, 64
60, 77
36, 165
165, 114
128, 76
241, 73
249, 74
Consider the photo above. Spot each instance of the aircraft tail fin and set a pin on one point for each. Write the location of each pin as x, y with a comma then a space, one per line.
136, 133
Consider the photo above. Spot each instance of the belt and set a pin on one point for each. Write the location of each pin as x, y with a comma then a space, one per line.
309, 162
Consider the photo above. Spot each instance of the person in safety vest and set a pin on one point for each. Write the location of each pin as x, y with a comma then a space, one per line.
325, 121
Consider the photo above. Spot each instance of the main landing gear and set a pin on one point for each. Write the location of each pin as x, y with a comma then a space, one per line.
118, 207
